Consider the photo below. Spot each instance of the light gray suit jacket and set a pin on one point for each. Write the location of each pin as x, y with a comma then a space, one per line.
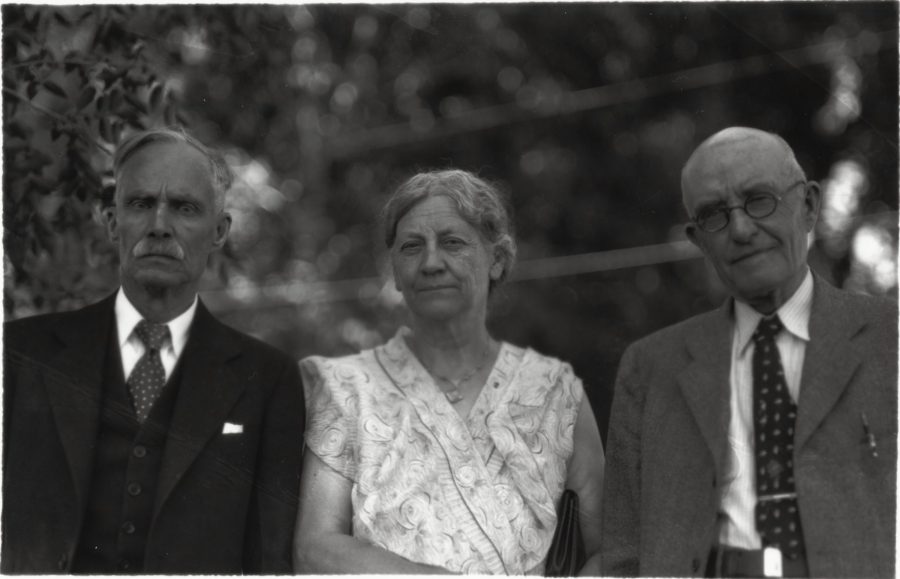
667, 449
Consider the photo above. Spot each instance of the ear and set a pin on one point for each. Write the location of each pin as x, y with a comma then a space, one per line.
112, 225
812, 202
222, 228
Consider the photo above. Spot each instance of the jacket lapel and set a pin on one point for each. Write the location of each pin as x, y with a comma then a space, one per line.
831, 357
704, 381
208, 391
74, 383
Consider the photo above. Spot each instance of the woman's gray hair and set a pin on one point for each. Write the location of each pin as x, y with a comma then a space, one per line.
218, 168
479, 203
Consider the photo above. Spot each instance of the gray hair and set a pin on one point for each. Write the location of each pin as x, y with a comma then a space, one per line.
218, 168
479, 203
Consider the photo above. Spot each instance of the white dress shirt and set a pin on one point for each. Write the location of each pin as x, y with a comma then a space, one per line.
737, 522
132, 348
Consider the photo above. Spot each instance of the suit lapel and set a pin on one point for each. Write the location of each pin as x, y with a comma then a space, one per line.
831, 358
704, 381
208, 391
74, 382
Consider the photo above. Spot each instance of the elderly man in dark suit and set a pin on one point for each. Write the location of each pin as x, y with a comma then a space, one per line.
140, 434
758, 439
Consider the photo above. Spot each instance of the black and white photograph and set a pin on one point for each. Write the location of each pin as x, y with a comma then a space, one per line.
514, 288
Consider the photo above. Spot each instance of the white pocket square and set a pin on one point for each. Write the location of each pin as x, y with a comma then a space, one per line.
231, 428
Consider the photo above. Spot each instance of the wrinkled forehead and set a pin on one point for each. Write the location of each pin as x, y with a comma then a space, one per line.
726, 168
171, 165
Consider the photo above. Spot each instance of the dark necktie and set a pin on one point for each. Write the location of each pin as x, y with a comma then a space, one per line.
148, 377
774, 416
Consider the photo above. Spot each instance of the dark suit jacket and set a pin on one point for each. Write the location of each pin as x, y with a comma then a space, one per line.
668, 449
226, 502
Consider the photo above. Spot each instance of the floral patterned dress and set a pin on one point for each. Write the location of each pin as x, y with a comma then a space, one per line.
473, 495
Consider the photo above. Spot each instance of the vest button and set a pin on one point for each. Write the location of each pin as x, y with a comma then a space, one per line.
134, 489
139, 451
128, 528
124, 565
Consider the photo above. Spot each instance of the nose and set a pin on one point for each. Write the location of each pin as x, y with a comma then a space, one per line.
160, 226
432, 260
741, 226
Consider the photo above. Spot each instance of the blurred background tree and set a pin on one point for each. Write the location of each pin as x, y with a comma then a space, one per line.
583, 112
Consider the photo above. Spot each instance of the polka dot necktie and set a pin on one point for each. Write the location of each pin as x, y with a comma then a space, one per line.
774, 416
148, 377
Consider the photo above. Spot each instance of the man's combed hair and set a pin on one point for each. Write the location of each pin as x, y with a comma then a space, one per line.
219, 170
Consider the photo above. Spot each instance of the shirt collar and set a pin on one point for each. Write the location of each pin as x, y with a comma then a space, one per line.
127, 317
794, 314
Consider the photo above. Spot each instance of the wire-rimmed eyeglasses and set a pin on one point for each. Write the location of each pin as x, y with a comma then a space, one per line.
756, 205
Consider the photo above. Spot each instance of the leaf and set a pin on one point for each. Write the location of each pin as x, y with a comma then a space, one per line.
68, 174
117, 131
155, 96
114, 97
16, 129
15, 36
61, 19
13, 146
38, 159
106, 129
136, 103
92, 179
136, 123
136, 48
108, 75
107, 194
16, 193
55, 89
41, 184
78, 161
86, 97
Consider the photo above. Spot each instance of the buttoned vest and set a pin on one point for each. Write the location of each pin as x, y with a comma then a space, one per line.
127, 461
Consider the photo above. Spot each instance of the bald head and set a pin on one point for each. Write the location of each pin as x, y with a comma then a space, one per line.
734, 146
750, 182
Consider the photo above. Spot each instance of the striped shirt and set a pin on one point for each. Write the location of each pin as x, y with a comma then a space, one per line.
737, 525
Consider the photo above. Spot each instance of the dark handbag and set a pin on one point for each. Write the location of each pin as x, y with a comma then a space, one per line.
566, 555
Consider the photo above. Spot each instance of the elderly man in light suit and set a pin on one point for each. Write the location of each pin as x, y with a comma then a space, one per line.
141, 435
758, 439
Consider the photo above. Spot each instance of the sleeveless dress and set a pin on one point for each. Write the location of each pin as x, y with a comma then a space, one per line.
474, 495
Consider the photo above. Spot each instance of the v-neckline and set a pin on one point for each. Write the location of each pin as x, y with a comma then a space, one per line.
420, 369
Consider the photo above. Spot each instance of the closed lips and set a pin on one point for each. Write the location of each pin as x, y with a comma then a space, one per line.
751, 254
157, 254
